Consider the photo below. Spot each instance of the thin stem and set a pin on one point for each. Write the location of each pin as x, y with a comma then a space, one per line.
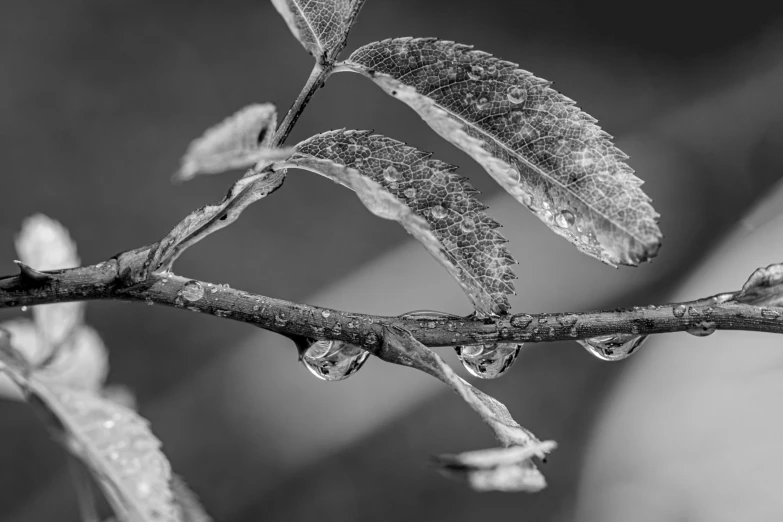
317, 78
106, 281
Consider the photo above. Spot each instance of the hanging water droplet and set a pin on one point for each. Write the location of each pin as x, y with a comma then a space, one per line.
325, 314
410, 192
565, 219
438, 212
488, 361
613, 347
766, 313
391, 174
516, 95
521, 320
192, 291
679, 310
333, 360
475, 72
468, 225
703, 329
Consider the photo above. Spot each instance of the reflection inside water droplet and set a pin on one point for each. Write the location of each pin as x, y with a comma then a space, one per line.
468, 225
679, 310
438, 212
703, 329
391, 174
613, 347
488, 361
334, 360
516, 95
410, 192
565, 219
192, 291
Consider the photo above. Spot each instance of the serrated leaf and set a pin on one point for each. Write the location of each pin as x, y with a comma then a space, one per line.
44, 244
321, 26
211, 218
764, 287
411, 184
239, 141
488, 469
533, 141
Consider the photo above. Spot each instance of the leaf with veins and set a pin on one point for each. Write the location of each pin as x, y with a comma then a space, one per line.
434, 204
533, 141
45, 244
321, 26
211, 218
239, 141
506, 469
114, 442
764, 287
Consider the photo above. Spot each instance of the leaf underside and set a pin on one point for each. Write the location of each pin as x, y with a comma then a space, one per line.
465, 235
535, 142
321, 26
764, 287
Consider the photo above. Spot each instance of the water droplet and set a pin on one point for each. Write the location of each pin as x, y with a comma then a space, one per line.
679, 310
192, 291
488, 361
280, 319
325, 314
482, 104
548, 216
475, 72
565, 219
516, 95
613, 347
438, 212
391, 174
468, 225
703, 329
334, 360
766, 313
410, 192
693, 312
214, 289
567, 320
521, 320
24, 308
337, 329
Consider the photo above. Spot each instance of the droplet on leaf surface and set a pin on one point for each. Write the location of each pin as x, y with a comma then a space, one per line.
391, 174
488, 361
438, 212
334, 360
516, 95
565, 219
614, 347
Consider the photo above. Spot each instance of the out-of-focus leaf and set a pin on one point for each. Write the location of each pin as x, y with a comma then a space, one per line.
497, 469
535, 143
400, 347
321, 26
27, 341
239, 141
12, 361
81, 362
211, 218
187, 502
764, 287
417, 186
45, 244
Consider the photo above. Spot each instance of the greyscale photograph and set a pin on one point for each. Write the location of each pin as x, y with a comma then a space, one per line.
391, 261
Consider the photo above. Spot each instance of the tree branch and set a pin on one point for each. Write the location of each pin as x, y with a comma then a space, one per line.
110, 280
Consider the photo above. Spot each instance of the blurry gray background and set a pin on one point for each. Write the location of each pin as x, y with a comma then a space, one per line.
100, 98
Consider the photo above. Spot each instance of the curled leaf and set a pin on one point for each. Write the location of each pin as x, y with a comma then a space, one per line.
764, 287
321, 26
533, 141
425, 195
81, 363
211, 218
239, 141
44, 244
497, 469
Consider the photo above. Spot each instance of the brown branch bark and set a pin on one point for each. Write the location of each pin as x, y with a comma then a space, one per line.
110, 280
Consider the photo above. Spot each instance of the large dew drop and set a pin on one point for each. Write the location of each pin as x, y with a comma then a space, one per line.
192, 291
613, 347
488, 361
333, 360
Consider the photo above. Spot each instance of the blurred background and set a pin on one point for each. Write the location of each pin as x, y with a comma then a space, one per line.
100, 98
